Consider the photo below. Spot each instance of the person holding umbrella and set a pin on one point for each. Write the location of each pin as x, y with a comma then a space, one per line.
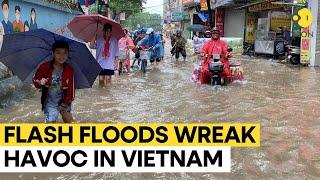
107, 54
53, 63
56, 80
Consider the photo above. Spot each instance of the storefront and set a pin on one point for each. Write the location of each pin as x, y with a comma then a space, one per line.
268, 27
226, 17
197, 15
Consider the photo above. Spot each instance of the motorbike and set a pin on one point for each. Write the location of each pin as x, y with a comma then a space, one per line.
293, 54
216, 68
145, 55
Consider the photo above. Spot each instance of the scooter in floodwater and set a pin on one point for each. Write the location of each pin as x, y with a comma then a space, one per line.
293, 54
216, 69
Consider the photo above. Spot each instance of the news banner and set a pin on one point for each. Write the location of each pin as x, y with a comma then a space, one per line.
123, 147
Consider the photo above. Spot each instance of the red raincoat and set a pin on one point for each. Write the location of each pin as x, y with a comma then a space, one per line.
214, 47
45, 71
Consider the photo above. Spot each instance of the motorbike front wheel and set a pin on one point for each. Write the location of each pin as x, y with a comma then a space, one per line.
295, 60
215, 81
143, 65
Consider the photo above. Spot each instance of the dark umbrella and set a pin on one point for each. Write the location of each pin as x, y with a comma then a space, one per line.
86, 27
23, 53
196, 28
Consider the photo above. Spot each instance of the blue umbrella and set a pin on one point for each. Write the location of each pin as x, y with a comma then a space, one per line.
23, 53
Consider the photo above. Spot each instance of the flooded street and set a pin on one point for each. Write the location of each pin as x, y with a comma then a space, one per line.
284, 100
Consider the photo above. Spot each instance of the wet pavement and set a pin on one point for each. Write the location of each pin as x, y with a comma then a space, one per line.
285, 100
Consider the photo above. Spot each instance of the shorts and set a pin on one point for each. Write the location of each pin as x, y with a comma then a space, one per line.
106, 72
157, 59
52, 113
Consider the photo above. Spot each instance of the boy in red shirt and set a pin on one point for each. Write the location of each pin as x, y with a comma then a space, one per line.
56, 80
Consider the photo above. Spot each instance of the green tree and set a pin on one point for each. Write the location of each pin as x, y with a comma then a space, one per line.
129, 7
145, 20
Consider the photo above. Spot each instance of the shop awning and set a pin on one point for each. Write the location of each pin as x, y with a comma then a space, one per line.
254, 3
289, 4
220, 3
276, 2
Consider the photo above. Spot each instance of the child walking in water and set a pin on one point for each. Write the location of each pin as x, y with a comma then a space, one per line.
56, 80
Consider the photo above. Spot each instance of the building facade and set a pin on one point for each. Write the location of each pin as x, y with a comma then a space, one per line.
24, 15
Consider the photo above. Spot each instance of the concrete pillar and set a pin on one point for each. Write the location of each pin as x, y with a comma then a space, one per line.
315, 30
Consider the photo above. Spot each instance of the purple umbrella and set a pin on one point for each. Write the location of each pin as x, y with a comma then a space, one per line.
23, 53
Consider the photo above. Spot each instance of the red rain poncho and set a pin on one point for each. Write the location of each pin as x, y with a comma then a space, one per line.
214, 47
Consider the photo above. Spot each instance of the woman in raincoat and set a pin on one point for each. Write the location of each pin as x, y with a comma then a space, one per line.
153, 42
125, 44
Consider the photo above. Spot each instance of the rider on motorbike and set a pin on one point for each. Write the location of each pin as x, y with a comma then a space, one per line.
153, 42
214, 46
139, 35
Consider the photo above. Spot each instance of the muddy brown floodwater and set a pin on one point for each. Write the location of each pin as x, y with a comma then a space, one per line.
284, 100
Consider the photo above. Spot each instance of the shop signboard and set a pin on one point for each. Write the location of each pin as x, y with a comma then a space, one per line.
204, 5
263, 6
186, 2
296, 29
250, 28
306, 34
305, 48
220, 20
279, 19
178, 16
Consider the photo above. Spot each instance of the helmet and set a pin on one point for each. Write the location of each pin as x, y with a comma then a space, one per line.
215, 30
149, 31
